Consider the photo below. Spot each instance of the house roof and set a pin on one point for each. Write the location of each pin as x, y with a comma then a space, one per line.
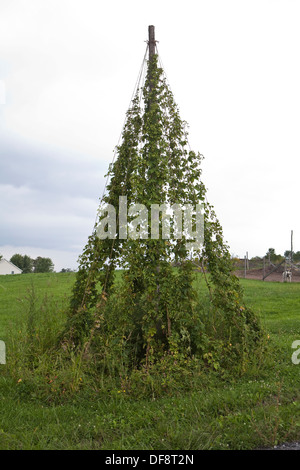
13, 265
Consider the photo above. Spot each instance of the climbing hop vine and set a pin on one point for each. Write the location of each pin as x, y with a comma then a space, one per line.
137, 294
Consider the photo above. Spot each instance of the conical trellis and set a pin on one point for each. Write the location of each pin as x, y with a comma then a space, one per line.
155, 305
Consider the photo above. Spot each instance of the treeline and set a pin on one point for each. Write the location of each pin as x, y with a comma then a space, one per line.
30, 265
274, 258
270, 258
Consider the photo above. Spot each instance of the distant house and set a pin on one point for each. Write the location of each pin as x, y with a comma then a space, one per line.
6, 267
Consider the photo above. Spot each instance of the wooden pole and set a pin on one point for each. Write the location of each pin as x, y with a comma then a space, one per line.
151, 42
152, 46
274, 269
291, 247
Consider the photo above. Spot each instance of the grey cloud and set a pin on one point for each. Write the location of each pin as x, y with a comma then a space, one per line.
52, 170
48, 198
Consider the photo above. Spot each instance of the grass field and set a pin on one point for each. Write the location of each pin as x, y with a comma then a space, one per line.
259, 409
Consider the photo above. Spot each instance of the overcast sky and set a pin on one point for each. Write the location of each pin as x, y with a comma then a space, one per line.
67, 72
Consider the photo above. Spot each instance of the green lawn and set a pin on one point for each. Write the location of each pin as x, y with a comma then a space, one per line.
259, 409
14, 290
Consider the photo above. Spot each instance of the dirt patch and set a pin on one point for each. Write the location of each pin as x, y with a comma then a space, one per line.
258, 274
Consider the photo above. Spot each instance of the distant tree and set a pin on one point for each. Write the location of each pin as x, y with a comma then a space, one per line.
256, 259
273, 257
43, 265
66, 270
296, 256
270, 252
17, 260
23, 262
27, 264
1, 256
